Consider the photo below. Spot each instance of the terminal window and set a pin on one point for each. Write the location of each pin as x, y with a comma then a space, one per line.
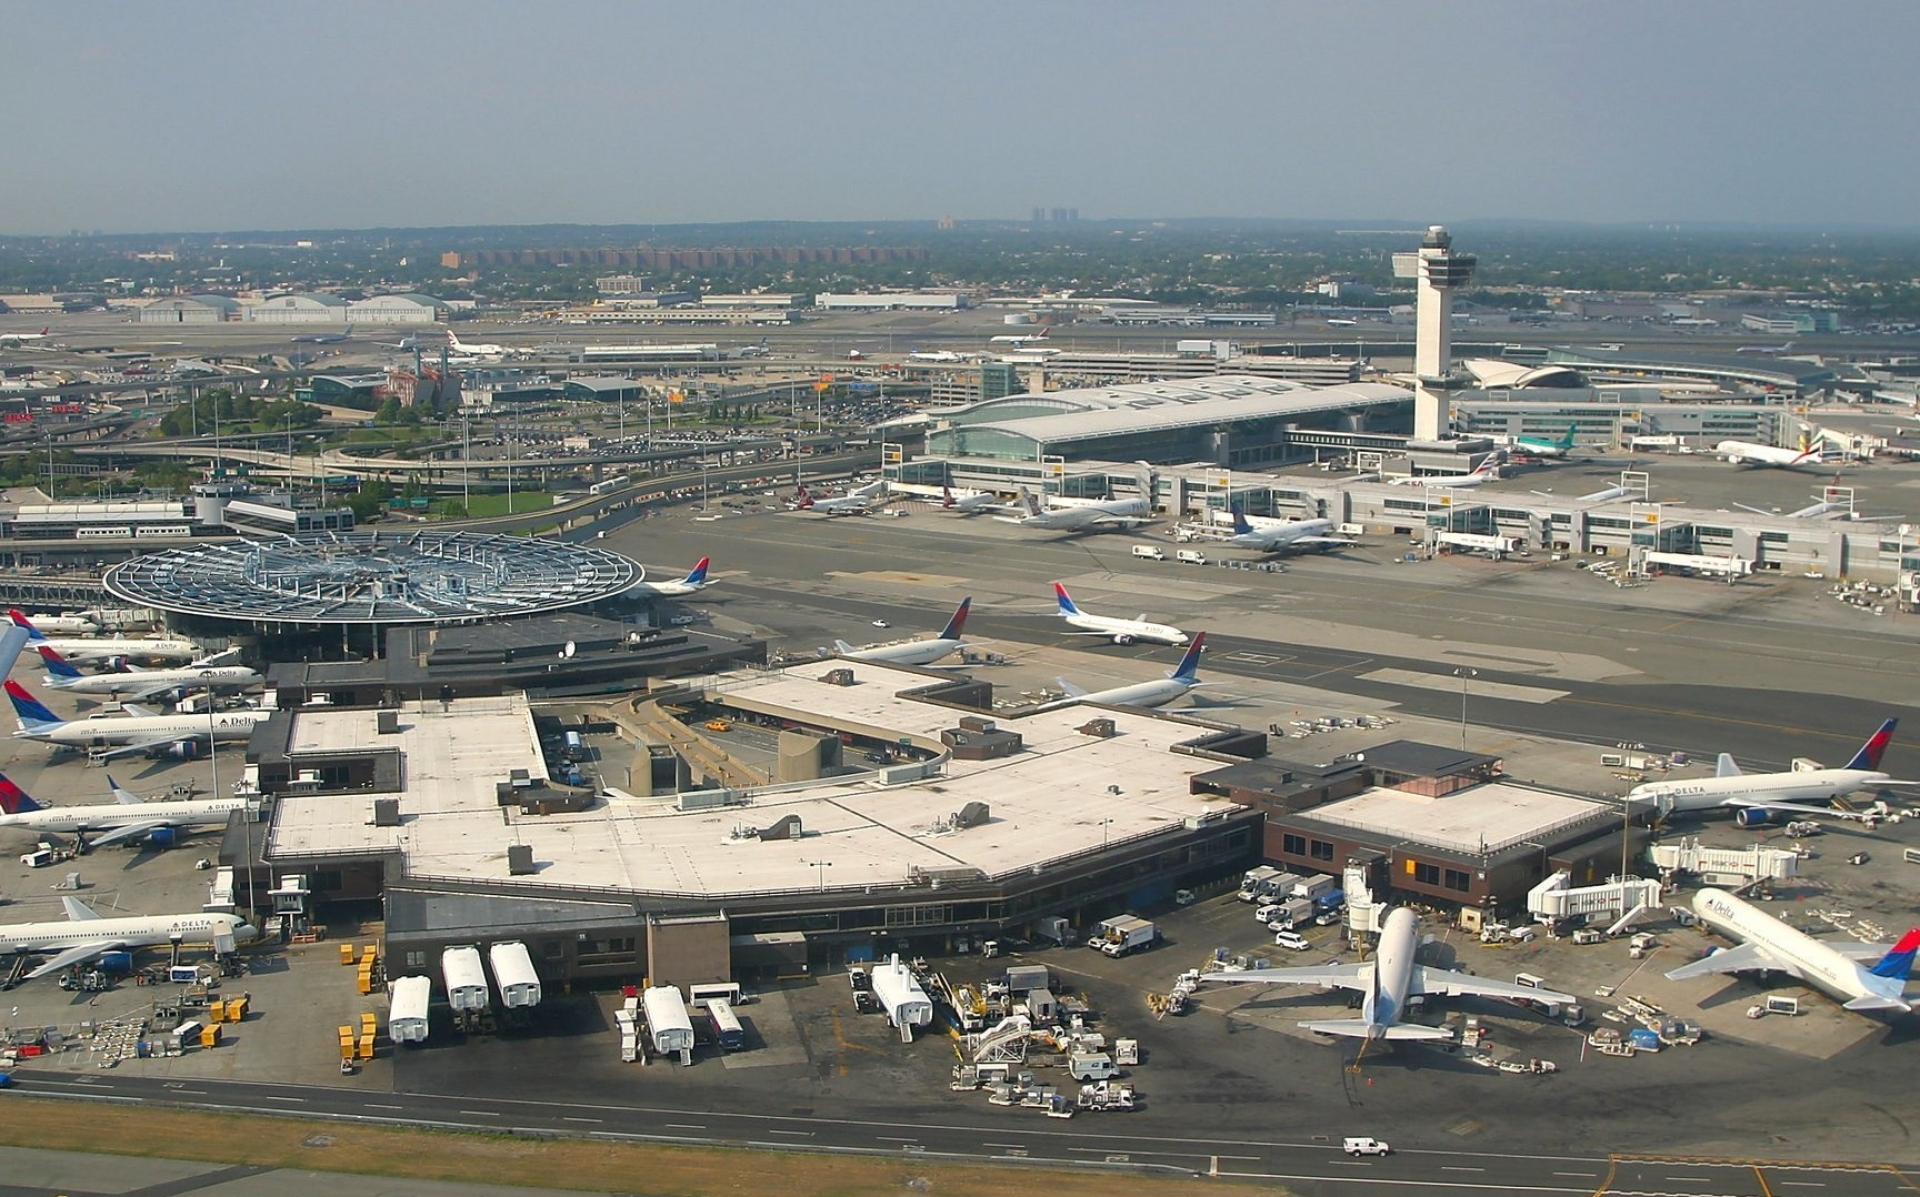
1293, 845
1426, 874
1322, 850
1457, 880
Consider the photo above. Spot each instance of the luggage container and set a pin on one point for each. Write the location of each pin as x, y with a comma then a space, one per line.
669, 1029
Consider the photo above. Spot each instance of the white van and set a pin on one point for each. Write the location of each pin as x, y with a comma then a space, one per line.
1149, 551
1190, 557
1365, 1145
1091, 1066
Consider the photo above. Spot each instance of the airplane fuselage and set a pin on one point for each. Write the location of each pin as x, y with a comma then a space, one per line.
911, 652
1755, 789
102, 649
90, 733
105, 817
1127, 631
1814, 962
1393, 972
1140, 694
137, 932
156, 680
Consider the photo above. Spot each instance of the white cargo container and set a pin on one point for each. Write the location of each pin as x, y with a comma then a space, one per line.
466, 980
901, 996
1314, 886
513, 975
407, 1008
669, 1028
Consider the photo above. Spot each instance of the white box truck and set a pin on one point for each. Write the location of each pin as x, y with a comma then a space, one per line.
514, 976
669, 1029
1126, 933
1190, 557
466, 980
1149, 552
407, 1008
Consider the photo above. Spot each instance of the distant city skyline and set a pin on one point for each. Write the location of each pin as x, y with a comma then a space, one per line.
226, 115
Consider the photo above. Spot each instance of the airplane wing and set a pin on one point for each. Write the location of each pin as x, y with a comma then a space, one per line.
70, 957
1745, 958
1332, 976
138, 712
78, 911
1440, 982
1329, 542
138, 692
215, 659
1874, 1001
128, 831
1069, 689
1826, 812
141, 746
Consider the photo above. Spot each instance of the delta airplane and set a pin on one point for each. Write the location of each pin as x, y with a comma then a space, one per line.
1389, 981
1120, 631
1868, 978
109, 736
915, 652
759, 350
854, 502
1279, 536
693, 583
128, 817
1756, 797
1183, 678
324, 338
137, 684
78, 625
1084, 517
1487, 471
970, 503
86, 935
103, 648
1750, 453
25, 338
1023, 340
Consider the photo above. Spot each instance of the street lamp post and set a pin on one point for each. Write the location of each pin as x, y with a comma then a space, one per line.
1464, 673
821, 867
1106, 826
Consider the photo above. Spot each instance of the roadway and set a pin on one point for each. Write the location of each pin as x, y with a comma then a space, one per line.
1310, 1166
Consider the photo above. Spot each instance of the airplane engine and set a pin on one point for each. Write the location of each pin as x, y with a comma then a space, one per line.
1756, 816
178, 750
118, 665
1734, 459
1123, 640
163, 837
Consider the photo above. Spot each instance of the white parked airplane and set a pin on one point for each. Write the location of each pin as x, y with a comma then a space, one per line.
759, 350
73, 625
1864, 977
137, 684
915, 652
1756, 797
86, 935
1079, 517
1120, 631
1752, 453
108, 736
854, 502
14, 338
104, 647
479, 351
1279, 536
936, 356
969, 503
128, 817
1183, 678
693, 583
1487, 471
1389, 981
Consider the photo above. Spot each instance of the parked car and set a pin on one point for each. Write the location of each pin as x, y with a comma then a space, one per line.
1292, 941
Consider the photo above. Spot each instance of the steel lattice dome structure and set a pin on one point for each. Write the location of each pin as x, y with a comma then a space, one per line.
374, 578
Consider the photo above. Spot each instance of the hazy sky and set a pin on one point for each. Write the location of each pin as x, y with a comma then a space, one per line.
208, 116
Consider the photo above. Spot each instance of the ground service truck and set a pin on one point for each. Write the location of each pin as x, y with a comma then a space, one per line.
513, 975
466, 985
407, 1010
1126, 933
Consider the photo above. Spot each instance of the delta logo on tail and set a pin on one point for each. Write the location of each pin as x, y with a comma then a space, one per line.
58, 665
16, 801
1188, 670
20, 619
1876, 747
1898, 964
31, 710
956, 627
1065, 600
698, 574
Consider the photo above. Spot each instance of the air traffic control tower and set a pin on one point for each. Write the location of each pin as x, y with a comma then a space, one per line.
1439, 271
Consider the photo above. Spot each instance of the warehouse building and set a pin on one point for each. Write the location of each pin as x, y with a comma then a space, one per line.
886, 301
190, 309
299, 309
406, 308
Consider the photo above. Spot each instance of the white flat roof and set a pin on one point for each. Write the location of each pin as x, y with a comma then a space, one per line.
1047, 803
1490, 817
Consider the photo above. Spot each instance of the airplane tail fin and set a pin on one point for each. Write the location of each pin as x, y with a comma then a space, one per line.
698, 574
1360, 1028
946, 496
1566, 442
1240, 525
1188, 669
1876, 747
1727, 766
30, 710
803, 501
1046, 330
13, 799
957, 626
1032, 504
58, 667
20, 619
1897, 965
1064, 600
